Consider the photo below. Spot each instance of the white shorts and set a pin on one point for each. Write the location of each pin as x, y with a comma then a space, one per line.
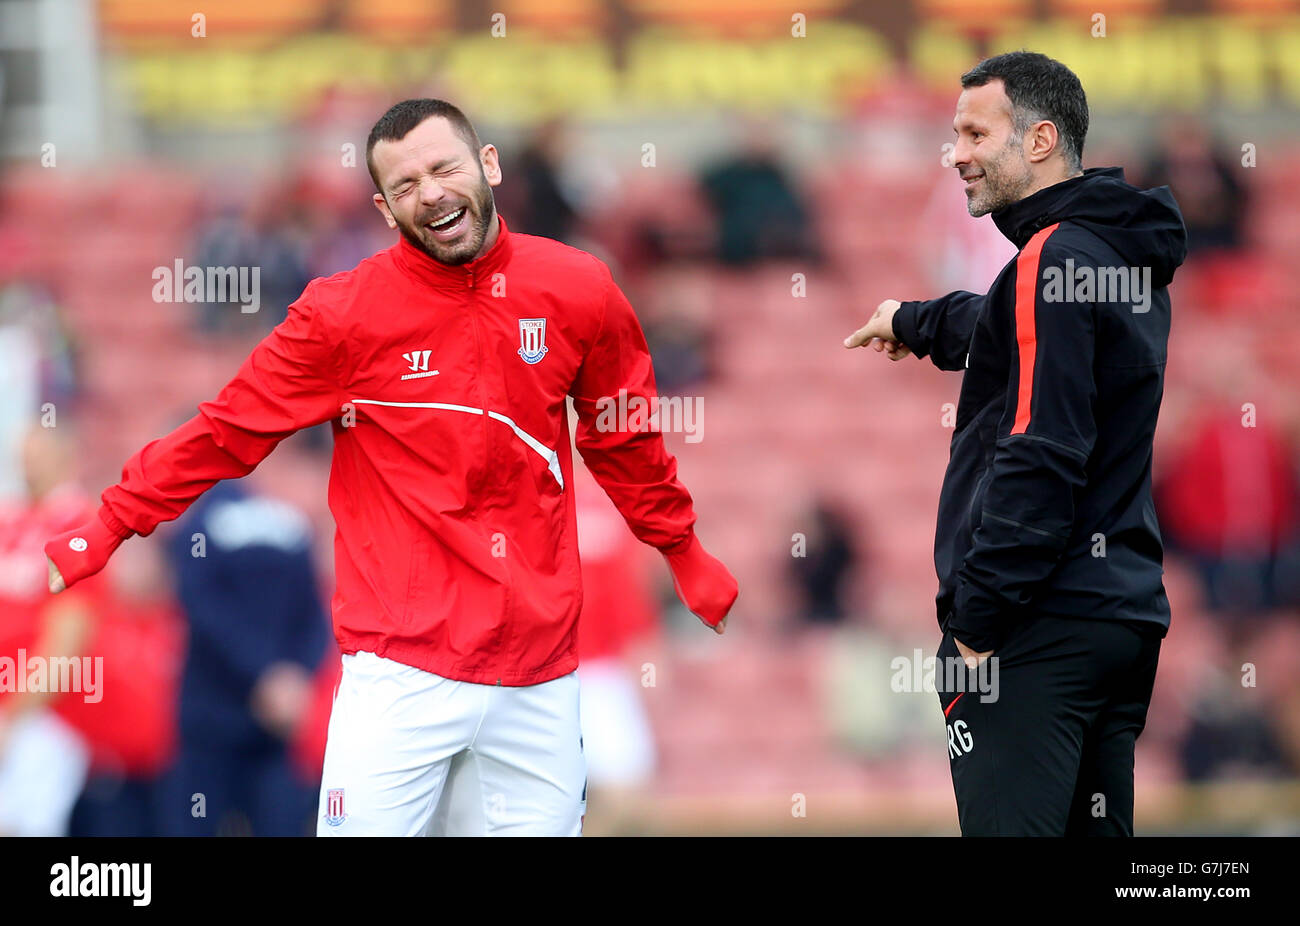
42, 771
411, 753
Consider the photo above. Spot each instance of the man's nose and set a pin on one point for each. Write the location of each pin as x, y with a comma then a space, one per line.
961, 153
431, 191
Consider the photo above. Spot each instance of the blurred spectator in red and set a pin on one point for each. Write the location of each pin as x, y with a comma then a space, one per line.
257, 635
758, 211
618, 611
330, 215
1228, 501
140, 635
308, 743
43, 757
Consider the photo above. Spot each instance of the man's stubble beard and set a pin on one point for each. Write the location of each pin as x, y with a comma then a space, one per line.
482, 213
1002, 186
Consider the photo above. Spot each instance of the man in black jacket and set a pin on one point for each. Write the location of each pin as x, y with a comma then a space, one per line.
1047, 547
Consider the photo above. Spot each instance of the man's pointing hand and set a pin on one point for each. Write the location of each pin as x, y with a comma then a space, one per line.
879, 332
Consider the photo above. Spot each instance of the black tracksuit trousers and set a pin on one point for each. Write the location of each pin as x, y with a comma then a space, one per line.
1041, 743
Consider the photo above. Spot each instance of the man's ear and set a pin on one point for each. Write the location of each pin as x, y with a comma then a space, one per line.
1041, 140
491, 162
382, 205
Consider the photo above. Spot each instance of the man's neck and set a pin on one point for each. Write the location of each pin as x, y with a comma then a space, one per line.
1050, 180
491, 238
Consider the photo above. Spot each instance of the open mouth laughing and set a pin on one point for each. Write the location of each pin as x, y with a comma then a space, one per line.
449, 225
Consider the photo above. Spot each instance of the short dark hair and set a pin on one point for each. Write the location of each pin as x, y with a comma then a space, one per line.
402, 117
1040, 89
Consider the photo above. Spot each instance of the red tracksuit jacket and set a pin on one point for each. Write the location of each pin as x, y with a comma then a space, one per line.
451, 480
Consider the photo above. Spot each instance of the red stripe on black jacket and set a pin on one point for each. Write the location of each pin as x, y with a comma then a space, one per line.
1046, 504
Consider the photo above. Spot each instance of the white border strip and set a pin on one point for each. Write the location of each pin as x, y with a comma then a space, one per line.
546, 453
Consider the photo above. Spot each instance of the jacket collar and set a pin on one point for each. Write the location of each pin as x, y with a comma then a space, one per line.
1020, 220
481, 268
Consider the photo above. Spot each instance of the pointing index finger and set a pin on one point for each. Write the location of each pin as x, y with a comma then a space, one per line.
857, 338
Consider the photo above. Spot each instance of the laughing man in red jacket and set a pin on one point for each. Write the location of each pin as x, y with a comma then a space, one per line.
444, 364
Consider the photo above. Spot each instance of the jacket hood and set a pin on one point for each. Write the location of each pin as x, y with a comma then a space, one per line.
1144, 226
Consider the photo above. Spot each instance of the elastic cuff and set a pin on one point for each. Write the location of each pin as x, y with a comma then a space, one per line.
113, 524
902, 324
681, 546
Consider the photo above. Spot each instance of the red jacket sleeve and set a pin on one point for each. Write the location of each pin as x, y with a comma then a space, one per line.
290, 381
631, 463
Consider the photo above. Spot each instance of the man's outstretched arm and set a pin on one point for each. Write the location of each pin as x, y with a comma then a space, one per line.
635, 469
938, 328
290, 381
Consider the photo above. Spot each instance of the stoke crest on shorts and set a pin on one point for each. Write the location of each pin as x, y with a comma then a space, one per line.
532, 339
334, 813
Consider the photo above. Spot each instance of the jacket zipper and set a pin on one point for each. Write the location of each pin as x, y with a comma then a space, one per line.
478, 354
487, 457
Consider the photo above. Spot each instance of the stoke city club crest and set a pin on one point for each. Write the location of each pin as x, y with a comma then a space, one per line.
532, 339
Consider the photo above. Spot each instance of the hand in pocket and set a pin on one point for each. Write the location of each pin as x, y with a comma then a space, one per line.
973, 659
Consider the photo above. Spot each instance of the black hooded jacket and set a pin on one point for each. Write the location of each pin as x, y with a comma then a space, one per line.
1046, 504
